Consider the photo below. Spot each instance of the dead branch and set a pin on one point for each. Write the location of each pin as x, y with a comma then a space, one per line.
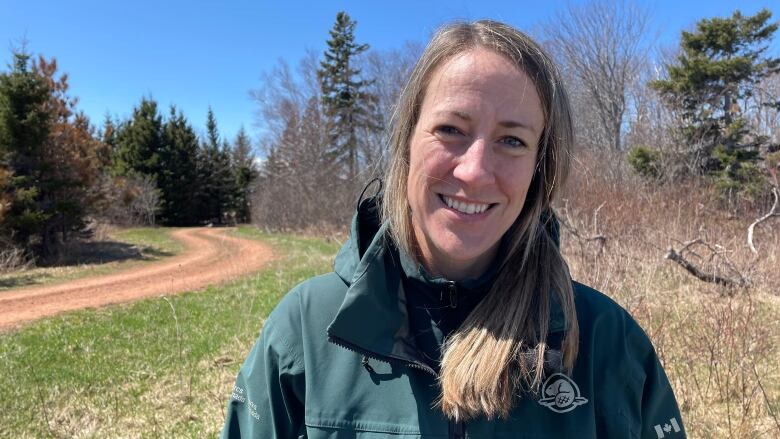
677, 256
567, 222
772, 212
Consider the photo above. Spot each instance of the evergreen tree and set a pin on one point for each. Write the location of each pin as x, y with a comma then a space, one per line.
347, 103
108, 136
244, 173
140, 140
177, 177
709, 85
24, 127
214, 176
49, 157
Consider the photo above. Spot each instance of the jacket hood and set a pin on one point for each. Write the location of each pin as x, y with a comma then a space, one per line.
365, 228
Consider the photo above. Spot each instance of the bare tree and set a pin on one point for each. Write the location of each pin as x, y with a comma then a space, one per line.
600, 45
391, 69
146, 202
762, 108
299, 185
298, 163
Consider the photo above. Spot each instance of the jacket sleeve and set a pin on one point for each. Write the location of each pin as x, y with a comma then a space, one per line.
267, 399
660, 413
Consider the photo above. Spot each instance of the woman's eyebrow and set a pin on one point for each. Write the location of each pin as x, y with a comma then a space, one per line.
514, 124
458, 114
467, 118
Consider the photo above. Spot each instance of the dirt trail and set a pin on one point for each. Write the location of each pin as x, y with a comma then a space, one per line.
210, 256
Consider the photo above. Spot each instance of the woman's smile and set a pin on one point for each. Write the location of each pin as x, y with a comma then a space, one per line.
465, 210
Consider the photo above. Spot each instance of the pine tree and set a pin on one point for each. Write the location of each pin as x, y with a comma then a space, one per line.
48, 155
347, 103
215, 179
244, 173
714, 76
177, 177
139, 141
108, 136
24, 127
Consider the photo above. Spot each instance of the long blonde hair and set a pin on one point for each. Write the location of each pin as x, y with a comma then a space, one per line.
500, 348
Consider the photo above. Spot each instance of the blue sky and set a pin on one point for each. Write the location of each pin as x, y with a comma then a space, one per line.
197, 54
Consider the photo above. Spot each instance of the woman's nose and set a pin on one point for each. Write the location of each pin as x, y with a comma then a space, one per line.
476, 165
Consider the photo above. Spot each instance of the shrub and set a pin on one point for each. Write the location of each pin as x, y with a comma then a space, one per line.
645, 161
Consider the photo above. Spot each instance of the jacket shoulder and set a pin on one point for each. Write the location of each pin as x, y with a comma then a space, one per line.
596, 307
609, 334
306, 309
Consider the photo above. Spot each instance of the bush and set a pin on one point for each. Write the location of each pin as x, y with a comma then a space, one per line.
645, 161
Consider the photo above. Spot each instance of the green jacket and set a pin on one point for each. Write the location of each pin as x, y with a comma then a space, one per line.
337, 358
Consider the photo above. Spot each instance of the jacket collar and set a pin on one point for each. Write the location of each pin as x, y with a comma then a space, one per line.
373, 317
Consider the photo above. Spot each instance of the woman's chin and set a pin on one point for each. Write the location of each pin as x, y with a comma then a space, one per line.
464, 257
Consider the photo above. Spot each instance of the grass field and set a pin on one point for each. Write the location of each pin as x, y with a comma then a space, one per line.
122, 249
154, 368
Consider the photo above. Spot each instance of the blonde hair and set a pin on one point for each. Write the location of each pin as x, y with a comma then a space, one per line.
501, 347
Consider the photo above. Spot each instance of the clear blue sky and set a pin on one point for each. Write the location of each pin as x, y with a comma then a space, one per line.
196, 53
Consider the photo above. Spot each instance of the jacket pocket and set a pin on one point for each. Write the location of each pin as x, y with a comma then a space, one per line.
356, 429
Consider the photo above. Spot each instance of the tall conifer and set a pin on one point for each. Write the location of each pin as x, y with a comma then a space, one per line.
177, 178
346, 101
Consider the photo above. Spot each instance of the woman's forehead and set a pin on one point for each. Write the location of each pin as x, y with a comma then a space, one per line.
481, 76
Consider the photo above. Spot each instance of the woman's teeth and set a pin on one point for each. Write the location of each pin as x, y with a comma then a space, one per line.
467, 208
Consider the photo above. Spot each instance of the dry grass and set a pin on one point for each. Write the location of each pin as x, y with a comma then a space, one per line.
718, 344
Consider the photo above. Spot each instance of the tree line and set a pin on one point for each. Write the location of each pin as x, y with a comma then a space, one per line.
707, 110
58, 172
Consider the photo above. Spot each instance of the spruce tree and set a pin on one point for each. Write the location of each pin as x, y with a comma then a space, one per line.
140, 140
714, 75
108, 136
346, 101
49, 159
244, 173
214, 176
25, 124
177, 177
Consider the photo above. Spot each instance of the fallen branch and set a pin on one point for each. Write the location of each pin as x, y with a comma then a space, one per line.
678, 257
772, 212
567, 223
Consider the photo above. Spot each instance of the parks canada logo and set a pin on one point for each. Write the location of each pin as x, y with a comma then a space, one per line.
561, 394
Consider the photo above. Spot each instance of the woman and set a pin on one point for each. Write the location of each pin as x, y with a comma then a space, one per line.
450, 312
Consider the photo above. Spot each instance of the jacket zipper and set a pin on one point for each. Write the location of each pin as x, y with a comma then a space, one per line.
453, 290
457, 430
350, 347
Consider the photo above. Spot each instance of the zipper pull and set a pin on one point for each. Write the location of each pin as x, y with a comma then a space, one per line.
453, 289
366, 365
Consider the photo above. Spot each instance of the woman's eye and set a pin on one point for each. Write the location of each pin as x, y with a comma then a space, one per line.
513, 141
448, 130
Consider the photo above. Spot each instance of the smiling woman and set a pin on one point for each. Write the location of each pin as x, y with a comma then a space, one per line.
450, 311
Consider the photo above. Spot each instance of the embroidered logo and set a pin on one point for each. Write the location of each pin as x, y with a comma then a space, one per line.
561, 394
667, 428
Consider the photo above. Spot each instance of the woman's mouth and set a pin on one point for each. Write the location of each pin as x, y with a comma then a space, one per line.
468, 208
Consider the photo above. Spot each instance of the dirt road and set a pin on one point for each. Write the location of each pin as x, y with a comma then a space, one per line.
210, 256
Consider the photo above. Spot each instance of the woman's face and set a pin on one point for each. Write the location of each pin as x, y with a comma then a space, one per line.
472, 157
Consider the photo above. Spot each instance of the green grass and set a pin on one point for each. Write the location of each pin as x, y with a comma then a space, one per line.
125, 248
155, 368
